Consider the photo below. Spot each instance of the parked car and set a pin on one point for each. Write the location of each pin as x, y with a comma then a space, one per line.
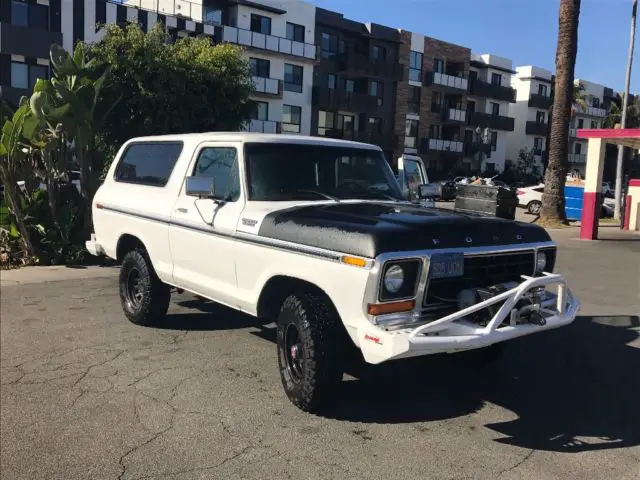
530, 198
315, 235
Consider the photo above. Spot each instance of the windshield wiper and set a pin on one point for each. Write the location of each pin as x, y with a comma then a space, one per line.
322, 194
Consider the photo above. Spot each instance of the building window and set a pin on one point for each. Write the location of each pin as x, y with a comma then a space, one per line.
415, 66
581, 123
295, 32
260, 24
375, 126
537, 144
379, 53
438, 65
325, 123
376, 90
495, 109
19, 75
293, 78
594, 124
435, 131
577, 148
494, 141
36, 72
20, 13
595, 102
291, 118
414, 100
411, 134
350, 86
212, 16
496, 79
331, 81
542, 90
540, 116
261, 112
329, 45
260, 67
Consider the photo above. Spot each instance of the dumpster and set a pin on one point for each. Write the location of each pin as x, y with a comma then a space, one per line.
487, 200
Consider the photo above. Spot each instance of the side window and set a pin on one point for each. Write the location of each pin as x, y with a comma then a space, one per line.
148, 163
221, 164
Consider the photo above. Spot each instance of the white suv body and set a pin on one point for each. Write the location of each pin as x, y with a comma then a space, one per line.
343, 254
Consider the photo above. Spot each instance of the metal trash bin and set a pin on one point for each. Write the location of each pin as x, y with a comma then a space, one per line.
487, 200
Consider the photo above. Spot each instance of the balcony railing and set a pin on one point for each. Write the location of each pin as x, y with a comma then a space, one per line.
268, 86
264, 126
439, 145
270, 43
444, 80
537, 128
472, 148
577, 158
540, 101
489, 90
591, 111
456, 115
495, 122
358, 63
334, 99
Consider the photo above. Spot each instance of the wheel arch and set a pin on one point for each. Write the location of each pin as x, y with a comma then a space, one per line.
126, 243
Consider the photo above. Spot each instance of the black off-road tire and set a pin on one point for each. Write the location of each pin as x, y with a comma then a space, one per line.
310, 381
152, 296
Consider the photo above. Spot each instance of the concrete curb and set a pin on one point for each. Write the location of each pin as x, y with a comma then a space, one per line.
30, 275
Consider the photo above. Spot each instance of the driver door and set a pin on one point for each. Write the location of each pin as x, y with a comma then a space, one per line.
412, 173
201, 234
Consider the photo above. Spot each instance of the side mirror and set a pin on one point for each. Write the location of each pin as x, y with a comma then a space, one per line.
429, 190
201, 187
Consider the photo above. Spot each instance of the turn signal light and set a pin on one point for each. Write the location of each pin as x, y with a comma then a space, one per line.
391, 307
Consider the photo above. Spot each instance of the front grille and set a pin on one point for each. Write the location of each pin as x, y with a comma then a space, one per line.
481, 271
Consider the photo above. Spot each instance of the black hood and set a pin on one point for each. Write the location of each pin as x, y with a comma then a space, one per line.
369, 229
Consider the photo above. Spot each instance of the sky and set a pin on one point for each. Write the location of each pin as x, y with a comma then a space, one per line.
524, 31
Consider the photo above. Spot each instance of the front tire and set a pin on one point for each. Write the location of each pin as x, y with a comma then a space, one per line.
143, 296
309, 349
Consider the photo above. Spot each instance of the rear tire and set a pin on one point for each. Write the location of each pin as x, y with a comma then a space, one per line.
534, 207
143, 296
309, 349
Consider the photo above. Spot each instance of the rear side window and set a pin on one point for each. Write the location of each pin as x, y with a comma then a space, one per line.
149, 163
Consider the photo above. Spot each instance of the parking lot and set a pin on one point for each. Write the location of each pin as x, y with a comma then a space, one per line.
85, 394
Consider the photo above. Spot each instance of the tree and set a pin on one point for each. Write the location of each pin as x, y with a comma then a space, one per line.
614, 116
553, 197
187, 86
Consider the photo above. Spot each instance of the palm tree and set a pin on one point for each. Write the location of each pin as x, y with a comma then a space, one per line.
614, 117
566, 51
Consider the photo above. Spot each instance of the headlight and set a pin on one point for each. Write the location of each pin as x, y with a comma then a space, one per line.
399, 279
541, 262
394, 279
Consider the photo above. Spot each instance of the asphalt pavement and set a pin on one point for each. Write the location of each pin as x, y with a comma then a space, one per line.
87, 395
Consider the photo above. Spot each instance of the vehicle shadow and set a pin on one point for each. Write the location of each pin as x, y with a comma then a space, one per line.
573, 389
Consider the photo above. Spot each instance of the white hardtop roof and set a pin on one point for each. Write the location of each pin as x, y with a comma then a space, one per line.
256, 137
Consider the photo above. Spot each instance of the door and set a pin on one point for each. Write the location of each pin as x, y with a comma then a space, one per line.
202, 229
412, 173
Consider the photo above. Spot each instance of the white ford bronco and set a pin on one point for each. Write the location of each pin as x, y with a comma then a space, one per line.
315, 235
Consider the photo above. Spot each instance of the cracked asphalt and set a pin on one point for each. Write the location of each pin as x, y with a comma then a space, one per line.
87, 395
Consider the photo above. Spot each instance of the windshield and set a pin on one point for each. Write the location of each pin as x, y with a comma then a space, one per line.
285, 172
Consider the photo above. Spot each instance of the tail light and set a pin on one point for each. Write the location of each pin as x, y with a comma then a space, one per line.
520, 192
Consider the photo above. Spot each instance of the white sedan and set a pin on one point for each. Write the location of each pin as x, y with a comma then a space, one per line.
531, 198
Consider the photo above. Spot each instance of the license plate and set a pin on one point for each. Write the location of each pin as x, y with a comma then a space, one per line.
446, 265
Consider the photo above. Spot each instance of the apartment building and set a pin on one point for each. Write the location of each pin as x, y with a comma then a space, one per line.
531, 110
354, 81
278, 36
489, 117
431, 102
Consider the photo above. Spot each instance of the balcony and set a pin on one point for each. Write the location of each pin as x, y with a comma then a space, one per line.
481, 88
454, 115
540, 101
267, 87
30, 42
439, 145
269, 43
334, 99
495, 122
471, 149
264, 126
537, 128
591, 111
577, 158
371, 67
444, 80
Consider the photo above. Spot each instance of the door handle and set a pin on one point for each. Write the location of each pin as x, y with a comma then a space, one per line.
182, 210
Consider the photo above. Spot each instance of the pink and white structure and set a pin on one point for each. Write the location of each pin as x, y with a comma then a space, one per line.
598, 138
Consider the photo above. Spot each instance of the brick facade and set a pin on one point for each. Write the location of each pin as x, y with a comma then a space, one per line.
402, 97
